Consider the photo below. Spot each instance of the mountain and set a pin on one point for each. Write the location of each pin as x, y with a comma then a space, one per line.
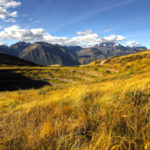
105, 50
14, 49
7, 50
48, 54
19, 46
73, 49
8, 60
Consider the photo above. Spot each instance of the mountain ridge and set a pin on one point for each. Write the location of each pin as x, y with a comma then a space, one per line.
49, 54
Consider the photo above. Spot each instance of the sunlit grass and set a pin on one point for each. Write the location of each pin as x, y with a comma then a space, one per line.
109, 112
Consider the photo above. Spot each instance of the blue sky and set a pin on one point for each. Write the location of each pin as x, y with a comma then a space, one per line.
58, 21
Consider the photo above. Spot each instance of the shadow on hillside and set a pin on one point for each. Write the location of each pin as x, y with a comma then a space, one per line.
10, 81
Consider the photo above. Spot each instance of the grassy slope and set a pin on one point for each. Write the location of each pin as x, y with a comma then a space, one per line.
103, 105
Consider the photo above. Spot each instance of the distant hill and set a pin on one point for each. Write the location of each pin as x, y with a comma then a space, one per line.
48, 54
9, 60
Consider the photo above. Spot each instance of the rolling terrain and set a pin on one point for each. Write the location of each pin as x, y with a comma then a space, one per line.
103, 105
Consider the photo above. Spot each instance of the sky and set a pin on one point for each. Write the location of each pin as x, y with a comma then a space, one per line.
75, 22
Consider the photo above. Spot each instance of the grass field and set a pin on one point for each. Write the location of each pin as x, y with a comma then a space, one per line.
104, 105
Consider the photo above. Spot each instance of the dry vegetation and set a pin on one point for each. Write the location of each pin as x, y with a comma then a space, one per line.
101, 106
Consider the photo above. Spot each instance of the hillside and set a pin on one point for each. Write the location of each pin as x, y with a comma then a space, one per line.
102, 105
10, 80
8, 60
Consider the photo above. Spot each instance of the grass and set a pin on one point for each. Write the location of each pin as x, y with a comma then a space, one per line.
93, 107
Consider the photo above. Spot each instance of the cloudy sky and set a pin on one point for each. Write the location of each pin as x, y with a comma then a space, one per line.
75, 22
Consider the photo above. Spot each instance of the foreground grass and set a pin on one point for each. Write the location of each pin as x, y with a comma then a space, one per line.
111, 113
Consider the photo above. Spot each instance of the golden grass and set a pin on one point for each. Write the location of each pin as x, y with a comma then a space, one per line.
109, 115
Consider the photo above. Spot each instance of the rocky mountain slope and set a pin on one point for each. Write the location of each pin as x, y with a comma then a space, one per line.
19, 46
48, 54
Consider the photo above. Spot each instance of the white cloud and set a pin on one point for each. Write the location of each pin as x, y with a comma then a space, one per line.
9, 3
108, 30
10, 20
132, 43
5, 14
14, 14
29, 35
85, 38
114, 38
2, 43
33, 35
86, 32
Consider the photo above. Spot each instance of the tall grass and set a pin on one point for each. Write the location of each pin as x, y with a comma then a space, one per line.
113, 114
109, 115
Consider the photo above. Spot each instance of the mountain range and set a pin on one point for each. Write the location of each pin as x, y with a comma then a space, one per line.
105, 50
48, 54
